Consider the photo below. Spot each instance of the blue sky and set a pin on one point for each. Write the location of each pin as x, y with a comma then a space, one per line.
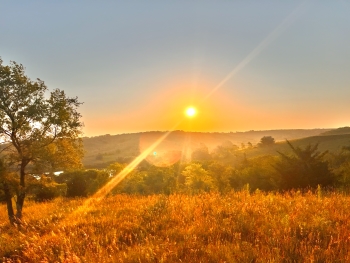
137, 64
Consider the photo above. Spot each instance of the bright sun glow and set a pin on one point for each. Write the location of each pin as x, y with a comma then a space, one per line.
190, 112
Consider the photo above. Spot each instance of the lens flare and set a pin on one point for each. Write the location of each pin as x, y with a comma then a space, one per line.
166, 153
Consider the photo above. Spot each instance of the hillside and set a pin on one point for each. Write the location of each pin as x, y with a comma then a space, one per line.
331, 143
342, 130
105, 149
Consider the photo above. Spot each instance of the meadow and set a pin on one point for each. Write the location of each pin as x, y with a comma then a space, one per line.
235, 227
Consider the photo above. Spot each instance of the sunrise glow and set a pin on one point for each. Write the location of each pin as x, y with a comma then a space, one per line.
190, 112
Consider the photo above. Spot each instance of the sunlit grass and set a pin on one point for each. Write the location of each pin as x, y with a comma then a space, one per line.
237, 227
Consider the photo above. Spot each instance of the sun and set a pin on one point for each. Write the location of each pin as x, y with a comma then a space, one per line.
190, 111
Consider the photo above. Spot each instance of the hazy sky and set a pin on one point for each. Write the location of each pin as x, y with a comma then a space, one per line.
137, 65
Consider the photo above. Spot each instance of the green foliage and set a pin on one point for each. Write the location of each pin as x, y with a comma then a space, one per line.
31, 121
304, 168
64, 154
256, 172
115, 168
153, 180
83, 182
201, 154
340, 167
220, 175
44, 188
134, 183
160, 180
197, 179
225, 150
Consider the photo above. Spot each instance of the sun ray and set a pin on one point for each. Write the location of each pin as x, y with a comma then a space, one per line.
290, 19
106, 189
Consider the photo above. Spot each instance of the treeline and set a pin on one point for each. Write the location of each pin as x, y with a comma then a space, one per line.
227, 168
223, 170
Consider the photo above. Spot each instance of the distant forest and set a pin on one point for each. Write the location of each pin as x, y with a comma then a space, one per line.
100, 151
315, 162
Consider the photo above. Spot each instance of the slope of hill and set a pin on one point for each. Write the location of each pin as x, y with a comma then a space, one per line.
331, 143
342, 130
105, 149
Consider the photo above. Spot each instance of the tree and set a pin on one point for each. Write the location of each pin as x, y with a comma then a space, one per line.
201, 153
197, 178
340, 166
45, 188
304, 168
115, 168
266, 141
258, 172
31, 121
82, 183
225, 150
220, 174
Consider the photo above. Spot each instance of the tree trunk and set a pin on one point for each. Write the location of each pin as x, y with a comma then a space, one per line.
21, 192
19, 204
8, 198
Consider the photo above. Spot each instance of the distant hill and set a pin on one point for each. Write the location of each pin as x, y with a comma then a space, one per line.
342, 130
331, 143
105, 149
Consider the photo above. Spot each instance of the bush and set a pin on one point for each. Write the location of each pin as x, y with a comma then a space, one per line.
44, 188
82, 183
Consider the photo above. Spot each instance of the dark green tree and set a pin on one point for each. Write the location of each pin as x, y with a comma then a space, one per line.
45, 188
340, 167
303, 168
31, 121
83, 183
257, 172
266, 141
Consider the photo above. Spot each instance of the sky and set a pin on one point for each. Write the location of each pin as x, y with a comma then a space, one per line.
137, 65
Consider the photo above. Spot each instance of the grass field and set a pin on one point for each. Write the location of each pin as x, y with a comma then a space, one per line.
236, 227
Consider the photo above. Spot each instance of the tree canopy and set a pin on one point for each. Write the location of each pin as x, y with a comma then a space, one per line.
267, 141
304, 168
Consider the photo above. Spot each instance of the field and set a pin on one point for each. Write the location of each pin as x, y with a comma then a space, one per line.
236, 227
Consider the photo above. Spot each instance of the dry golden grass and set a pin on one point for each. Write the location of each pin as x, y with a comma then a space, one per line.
237, 227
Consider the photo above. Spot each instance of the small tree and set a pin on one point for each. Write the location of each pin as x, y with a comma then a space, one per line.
31, 122
266, 141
